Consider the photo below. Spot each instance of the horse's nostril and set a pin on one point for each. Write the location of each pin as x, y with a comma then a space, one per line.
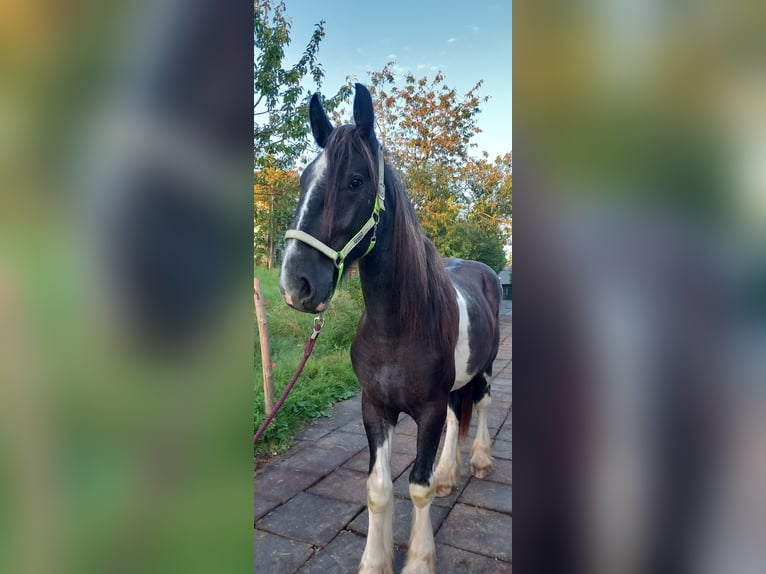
304, 289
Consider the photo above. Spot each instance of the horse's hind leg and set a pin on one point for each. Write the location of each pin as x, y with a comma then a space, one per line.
378, 551
421, 556
448, 470
481, 450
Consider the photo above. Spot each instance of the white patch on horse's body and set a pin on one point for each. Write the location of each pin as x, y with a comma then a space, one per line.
378, 552
421, 556
448, 469
318, 169
462, 348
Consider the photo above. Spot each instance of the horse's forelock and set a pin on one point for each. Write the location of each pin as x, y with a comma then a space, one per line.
344, 141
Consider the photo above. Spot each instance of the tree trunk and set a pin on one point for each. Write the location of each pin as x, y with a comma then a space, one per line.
263, 335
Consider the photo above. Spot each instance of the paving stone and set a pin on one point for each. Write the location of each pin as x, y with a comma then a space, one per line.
262, 506
455, 561
501, 403
342, 555
356, 427
505, 432
318, 459
352, 406
477, 530
310, 518
343, 484
499, 406
399, 462
278, 555
349, 441
317, 429
402, 520
280, 483
501, 471
404, 444
502, 449
496, 418
402, 489
490, 495
407, 426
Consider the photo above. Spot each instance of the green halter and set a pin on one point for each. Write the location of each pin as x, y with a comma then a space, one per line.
339, 257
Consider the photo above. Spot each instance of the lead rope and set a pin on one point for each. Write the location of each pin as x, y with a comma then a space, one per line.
318, 322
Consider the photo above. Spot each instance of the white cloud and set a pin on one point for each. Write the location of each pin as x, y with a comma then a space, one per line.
400, 70
360, 51
422, 66
391, 57
451, 40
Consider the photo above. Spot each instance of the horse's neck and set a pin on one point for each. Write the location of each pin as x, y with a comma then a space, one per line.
377, 272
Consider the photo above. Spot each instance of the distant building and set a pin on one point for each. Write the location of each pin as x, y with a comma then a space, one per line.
505, 279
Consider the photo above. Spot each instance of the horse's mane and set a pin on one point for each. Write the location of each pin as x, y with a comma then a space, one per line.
425, 293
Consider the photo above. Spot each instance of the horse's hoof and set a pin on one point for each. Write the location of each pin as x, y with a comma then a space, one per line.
423, 565
482, 472
443, 490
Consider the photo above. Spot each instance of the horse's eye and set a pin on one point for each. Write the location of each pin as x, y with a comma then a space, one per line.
355, 182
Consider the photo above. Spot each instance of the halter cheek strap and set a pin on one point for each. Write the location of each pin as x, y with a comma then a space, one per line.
339, 257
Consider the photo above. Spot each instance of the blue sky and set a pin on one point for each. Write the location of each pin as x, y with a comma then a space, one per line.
467, 41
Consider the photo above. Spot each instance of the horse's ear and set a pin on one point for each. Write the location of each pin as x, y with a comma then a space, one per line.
364, 116
320, 125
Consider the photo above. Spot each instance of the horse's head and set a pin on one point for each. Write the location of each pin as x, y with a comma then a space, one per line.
342, 193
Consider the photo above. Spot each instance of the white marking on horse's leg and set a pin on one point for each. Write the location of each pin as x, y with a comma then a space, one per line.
448, 469
379, 550
421, 556
481, 451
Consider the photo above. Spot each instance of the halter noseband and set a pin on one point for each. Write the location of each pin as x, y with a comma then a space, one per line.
339, 257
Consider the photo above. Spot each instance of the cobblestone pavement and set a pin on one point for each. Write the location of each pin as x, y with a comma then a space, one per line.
310, 505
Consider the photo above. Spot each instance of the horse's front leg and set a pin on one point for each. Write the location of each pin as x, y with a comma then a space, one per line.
378, 552
421, 556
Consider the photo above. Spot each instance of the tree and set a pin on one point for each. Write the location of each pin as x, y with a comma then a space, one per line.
489, 191
426, 129
275, 197
469, 240
281, 123
280, 110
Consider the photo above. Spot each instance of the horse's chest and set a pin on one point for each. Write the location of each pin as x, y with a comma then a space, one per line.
398, 365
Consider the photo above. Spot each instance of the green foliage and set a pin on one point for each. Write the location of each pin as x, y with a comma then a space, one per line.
281, 122
275, 197
280, 110
426, 129
469, 240
327, 377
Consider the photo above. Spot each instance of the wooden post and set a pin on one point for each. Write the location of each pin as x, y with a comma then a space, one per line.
263, 335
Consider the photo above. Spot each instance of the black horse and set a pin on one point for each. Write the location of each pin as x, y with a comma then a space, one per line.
429, 333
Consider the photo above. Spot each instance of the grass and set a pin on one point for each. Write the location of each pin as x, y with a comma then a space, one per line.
327, 377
